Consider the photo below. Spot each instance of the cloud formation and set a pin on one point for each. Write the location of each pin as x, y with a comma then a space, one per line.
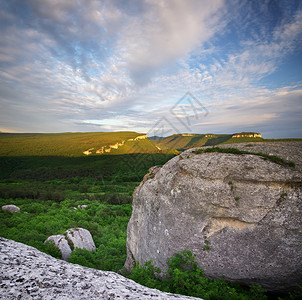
121, 65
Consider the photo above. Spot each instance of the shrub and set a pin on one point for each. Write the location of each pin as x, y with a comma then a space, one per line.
183, 276
51, 249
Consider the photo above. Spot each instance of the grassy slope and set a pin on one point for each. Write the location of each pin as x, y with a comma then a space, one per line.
70, 144
175, 141
179, 142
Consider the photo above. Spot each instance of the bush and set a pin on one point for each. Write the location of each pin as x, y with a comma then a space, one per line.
183, 276
52, 250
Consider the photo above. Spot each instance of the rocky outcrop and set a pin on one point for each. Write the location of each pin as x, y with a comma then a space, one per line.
240, 214
11, 208
117, 145
71, 239
139, 137
88, 152
110, 147
104, 149
247, 134
100, 151
289, 151
26, 273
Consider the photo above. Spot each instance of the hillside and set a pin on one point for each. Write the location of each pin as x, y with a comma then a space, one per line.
74, 144
185, 141
104, 143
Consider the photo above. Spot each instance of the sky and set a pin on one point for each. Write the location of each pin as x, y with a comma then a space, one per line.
151, 66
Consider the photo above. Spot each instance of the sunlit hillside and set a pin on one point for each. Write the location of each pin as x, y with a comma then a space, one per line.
185, 141
75, 144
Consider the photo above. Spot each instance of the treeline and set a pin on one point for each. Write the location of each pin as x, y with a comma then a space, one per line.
41, 194
128, 167
58, 191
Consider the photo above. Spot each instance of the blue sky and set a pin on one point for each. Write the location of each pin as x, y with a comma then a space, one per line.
126, 64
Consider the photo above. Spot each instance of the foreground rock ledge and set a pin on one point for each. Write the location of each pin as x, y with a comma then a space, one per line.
240, 214
26, 273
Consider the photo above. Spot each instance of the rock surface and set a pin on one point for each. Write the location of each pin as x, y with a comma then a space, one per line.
290, 151
84, 206
11, 208
26, 273
240, 214
71, 239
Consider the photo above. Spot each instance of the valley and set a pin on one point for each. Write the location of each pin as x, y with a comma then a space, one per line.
58, 186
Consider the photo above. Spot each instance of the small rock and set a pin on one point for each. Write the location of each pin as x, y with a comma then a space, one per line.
84, 206
11, 208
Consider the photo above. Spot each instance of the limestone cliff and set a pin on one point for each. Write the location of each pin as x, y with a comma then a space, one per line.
247, 134
139, 137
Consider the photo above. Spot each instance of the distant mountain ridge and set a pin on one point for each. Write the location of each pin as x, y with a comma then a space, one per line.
185, 141
108, 143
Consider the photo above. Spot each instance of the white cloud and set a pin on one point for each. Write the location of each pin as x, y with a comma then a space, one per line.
165, 32
99, 60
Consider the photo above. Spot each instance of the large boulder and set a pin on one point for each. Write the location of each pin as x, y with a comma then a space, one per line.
11, 208
61, 243
240, 214
27, 273
71, 239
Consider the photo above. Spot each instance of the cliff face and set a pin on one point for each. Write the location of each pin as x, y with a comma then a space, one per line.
247, 134
140, 137
240, 214
26, 273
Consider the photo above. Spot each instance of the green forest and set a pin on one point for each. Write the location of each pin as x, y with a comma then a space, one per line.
48, 190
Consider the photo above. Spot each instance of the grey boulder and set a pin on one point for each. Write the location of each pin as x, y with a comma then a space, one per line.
71, 239
240, 214
26, 273
11, 208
